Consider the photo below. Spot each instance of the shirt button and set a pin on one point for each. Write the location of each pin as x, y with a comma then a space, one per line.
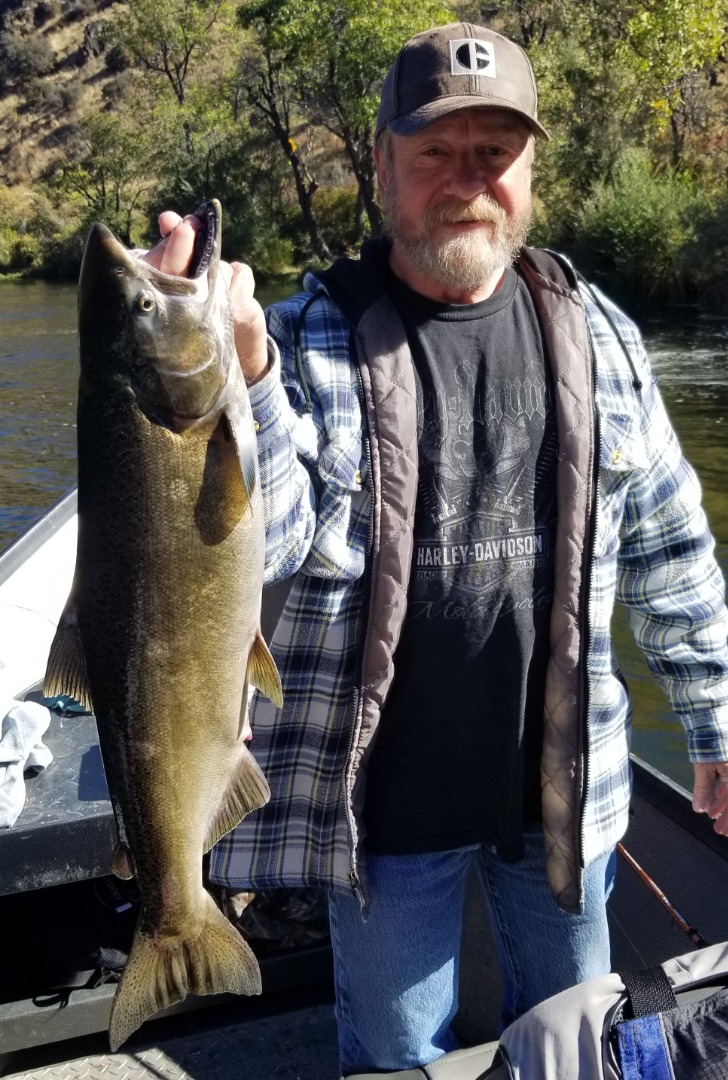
357, 477
616, 457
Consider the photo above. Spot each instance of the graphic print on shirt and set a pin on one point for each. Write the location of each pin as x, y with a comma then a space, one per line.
486, 500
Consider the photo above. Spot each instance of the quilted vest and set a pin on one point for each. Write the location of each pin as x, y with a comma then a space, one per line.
385, 363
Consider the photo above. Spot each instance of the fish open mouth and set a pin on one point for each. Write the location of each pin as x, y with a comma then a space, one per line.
208, 214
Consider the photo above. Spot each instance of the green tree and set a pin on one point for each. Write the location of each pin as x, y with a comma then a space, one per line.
166, 37
330, 60
177, 44
271, 94
611, 76
635, 233
109, 181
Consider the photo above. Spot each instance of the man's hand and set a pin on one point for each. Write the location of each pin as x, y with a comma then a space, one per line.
710, 793
172, 255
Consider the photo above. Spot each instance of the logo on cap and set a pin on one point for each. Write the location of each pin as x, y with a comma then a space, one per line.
472, 56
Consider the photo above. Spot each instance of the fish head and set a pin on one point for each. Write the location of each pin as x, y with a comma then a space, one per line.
166, 339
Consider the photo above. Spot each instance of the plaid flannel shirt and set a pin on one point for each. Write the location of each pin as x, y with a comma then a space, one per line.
652, 551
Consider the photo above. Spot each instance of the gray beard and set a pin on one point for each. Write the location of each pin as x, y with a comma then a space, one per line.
463, 262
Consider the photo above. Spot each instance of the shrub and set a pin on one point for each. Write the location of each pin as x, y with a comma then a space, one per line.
117, 90
37, 96
706, 257
335, 209
24, 58
44, 11
70, 94
635, 232
117, 59
30, 229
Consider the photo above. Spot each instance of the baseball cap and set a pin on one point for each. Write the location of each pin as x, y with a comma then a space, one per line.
458, 66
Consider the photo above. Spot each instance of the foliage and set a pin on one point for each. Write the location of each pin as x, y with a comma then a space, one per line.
237, 170
330, 60
108, 182
634, 233
270, 105
30, 228
337, 213
611, 75
24, 57
706, 256
169, 37
117, 58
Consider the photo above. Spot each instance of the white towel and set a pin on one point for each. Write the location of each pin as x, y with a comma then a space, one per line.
21, 748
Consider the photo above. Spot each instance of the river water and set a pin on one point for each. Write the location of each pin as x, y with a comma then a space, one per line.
38, 376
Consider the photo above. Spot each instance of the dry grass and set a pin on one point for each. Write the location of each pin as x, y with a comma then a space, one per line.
33, 136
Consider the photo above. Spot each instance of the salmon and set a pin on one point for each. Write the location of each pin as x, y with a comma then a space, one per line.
160, 637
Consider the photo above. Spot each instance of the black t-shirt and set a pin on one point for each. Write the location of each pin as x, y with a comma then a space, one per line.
456, 757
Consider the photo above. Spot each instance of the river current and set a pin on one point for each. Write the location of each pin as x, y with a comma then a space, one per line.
38, 379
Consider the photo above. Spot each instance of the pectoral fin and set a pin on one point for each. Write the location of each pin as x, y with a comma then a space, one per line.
239, 422
248, 791
66, 668
263, 673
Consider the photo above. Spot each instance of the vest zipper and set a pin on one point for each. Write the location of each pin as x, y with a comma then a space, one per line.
587, 607
354, 879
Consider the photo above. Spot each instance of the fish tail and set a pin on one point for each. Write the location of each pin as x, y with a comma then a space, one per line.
163, 970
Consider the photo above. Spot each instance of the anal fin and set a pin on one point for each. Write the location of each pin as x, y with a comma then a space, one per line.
248, 790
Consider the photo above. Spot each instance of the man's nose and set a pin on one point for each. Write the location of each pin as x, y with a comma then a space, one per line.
466, 179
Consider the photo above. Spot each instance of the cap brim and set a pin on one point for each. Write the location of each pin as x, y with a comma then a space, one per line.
427, 114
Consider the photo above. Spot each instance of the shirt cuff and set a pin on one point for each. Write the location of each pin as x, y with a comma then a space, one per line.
269, 401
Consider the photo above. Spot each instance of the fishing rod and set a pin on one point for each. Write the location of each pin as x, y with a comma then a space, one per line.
692, 933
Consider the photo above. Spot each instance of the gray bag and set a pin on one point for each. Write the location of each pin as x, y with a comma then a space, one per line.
585, 1034
678, 1030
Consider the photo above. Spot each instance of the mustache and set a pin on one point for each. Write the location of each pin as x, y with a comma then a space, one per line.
481, 208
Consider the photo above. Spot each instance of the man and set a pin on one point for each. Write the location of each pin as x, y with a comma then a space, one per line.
465, 459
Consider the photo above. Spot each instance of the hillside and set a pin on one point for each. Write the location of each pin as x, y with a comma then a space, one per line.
53, 73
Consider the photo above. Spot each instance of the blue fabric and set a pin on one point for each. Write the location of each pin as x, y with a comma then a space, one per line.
642, 1050
396, 972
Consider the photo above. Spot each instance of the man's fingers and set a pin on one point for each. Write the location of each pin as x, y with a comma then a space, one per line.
710, 794
180, 245
242, 285
702, 789
168, 219
172, 255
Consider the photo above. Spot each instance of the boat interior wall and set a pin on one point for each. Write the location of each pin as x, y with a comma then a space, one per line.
35, 579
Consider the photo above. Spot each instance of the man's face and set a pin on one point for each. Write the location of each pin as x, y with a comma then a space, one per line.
457, 200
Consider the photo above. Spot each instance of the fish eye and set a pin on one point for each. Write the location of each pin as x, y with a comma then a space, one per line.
145, 303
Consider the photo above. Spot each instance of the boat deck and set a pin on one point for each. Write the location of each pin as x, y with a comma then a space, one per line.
289, 1033
58, 902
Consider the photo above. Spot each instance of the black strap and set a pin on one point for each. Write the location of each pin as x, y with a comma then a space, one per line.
648, 991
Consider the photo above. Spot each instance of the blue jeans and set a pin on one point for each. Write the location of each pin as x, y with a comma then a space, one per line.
396, 973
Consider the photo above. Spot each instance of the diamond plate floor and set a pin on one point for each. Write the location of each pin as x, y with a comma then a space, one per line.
296, 1045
